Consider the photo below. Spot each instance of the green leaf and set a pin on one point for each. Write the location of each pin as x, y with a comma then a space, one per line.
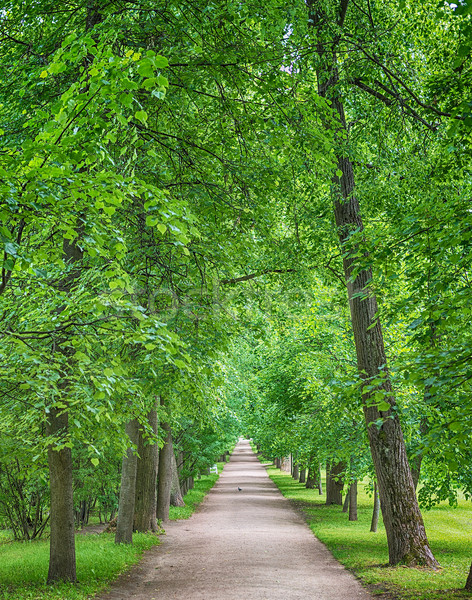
95, 462
142, 116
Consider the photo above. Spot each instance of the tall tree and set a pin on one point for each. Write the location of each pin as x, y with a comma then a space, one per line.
407, 541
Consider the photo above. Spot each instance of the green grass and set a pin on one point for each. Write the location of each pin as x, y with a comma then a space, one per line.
366, 554
24, 565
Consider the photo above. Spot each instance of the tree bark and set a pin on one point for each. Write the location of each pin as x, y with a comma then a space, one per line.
334, 484
146, 479
176, 498
62, 565
310, 478
346, 502
124, 524
353, 501
468, 583
296, 471
406, 535
165, 473
302, 478
376, 512
278, 463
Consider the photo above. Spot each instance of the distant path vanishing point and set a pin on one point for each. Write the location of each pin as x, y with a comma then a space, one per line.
240, 545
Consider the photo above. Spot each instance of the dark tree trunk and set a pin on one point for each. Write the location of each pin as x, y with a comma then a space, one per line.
376, 511
62, 539
62, 564
124, 523
334, 483
302, 478
346, 502
165, 473
278, 463
353, 501
296, 471
176, 498
406, 535
310, 478
146, 480
468, 583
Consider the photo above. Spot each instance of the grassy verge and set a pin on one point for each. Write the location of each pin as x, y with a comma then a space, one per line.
365, 553
24, 565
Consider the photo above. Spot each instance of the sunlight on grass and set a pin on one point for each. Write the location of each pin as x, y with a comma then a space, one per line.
24, 565
449, 533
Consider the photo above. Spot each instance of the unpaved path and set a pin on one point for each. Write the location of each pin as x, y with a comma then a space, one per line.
241, 545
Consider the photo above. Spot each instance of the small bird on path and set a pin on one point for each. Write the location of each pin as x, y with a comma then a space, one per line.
240, 489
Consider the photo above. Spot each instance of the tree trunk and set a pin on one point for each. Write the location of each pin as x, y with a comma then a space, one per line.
353, 501
319, 483
165, 474
376, 511
176, 498
62, 563
468, 583
406, 535
346, 502
334, 484
62, 539
278, 463
310, 478
296, 471
124, 524
146, 479
302, 478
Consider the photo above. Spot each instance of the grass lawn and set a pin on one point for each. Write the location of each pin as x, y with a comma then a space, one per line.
365, 553
24, 565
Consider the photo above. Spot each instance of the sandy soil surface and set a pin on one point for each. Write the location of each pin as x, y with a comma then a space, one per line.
249, 544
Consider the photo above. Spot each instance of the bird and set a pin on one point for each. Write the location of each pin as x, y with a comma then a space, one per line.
240, 489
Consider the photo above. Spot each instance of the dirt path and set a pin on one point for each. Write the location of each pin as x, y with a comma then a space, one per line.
249, 544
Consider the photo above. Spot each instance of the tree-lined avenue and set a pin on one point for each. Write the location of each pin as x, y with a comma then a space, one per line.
247, 544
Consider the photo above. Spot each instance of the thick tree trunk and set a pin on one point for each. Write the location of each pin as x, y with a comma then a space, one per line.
124, 524
302, 478
278, 463
296, 471
146, 479
176, 498
62, 539
353, 501
334, 483
406, 535
165, 474
310, 478
376, 512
